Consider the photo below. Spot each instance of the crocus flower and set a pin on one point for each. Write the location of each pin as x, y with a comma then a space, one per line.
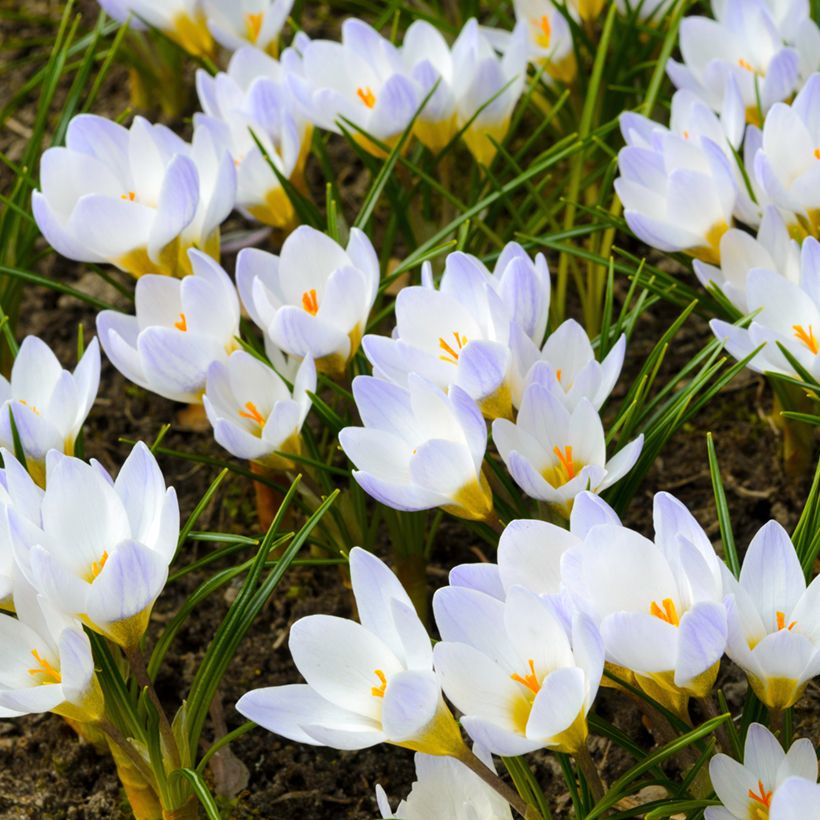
252, 98
786, 313
549, 38
774, 620
367, 683
314, 298
658, 605
179, 329
359, 84
445, 789
521, 682
247, 22
419, 447
788, 163
750, 789
101, 550
253, 413
554, 453
49, 404
47, 662
135, 197
796, 799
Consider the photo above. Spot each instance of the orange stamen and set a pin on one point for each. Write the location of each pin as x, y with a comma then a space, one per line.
530, 680
817, 153
745, 65
558, 374
130, 196
781, 622
669, 613
762, 796
378, 691
182, 324
252, 413
30, 407
451, 354
97, 566
367, 96
44, 668
544, 33
565, 458
309, 301
686, 135
808, 339
254, 24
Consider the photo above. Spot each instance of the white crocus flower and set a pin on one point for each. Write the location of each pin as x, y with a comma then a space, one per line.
252, 98
774, 619
788, 164
238, 23
749, 791
359, 84
419, 448
253, 412
49, 404
180, 328
554, 453
47, 662
315, 297
658, 605
136, 198
101, 550
521, 682
549, 38
367, 683
445, 789
785, 313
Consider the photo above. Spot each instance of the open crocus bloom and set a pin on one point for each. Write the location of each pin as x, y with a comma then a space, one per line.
521, 681
47, 662
252, 411
314, 298
367, 683
359, 84
49, 404
180, 328
238, 23
748, 790
554, 453
252, 96
549, 38
658, 605
101, 550
419, 448
785, 313
788, 163
183, 21
136, 198
774, 620
446, 789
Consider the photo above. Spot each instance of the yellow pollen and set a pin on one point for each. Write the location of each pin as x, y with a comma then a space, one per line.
543, 33
367, 96
808, 339
130, 196
565, 458
44, 668
451, 354
182, 324
254, 24
761, 796
669, 613
378, 691
745, 65
97, 566
817, 153
781, 622
530, 680
309, 301
250, 412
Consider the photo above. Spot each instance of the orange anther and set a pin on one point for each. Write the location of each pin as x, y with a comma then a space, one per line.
451, 354
807, 338
130, 196
252, 413
309, 301
97, 566
530, 680
182, 324
781, 622
669, 613
378, 691
761, 796
254, 24
367, 96
565, 458
543, 28
44, 668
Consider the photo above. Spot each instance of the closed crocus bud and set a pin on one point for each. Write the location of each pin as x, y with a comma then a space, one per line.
49, 404
136, 198
256, 23
419, 448
520, 680
253, 412
774, 619
101, 550
549, 38
770, 783
315, 297
367, 683
180, 328
554, 453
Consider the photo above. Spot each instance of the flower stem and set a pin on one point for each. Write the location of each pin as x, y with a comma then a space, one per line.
586, 766
116, 736
711, 710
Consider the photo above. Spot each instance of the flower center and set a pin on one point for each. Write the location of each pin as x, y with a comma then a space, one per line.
182, 324
250, 412
807, 338
781, 622
130, 196
309, 301
378, 691
668, 613
567, 465
543, 31
763, 798
44, 668
97, 566
451, 353
366, 95
254, 25
529, 680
